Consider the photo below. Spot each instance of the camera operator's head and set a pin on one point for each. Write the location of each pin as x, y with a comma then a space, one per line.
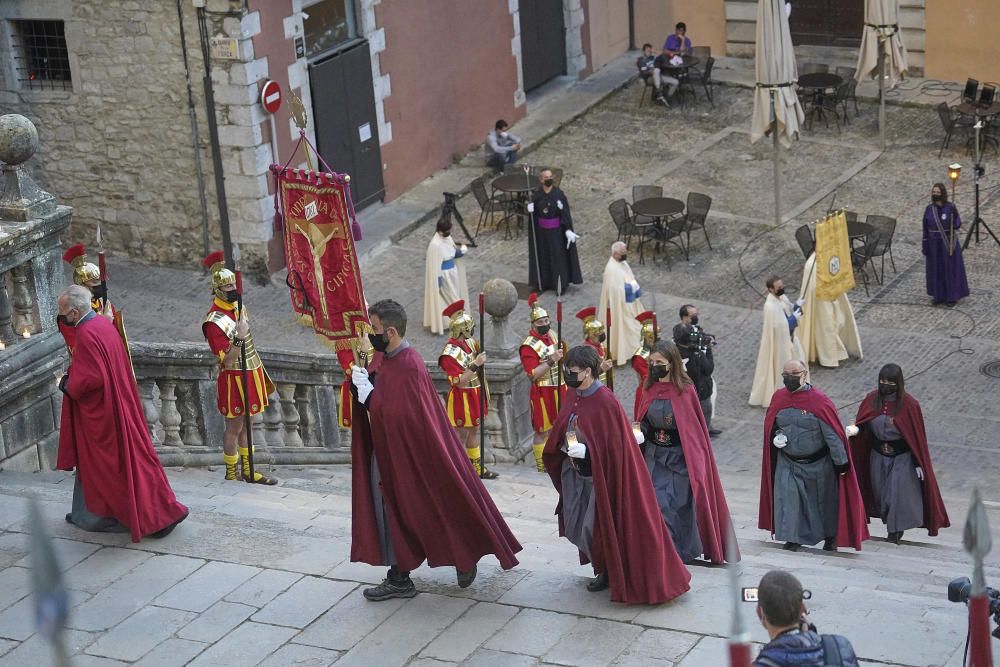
689, 314
780, 602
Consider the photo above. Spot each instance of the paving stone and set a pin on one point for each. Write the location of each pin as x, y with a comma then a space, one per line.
298, 655
18, 620
304, 602
593, 643
708, 652
532, 632
348, 622
94, 661
38, 651
469, 632
214, 623
13, 547
431, 662
247, 645
486, 658
132, 592
207, 586
15, 583
140, 633
171, 653
263, 587
6, 645
407, 631
68, 553
544, 590
660, 648
104, 567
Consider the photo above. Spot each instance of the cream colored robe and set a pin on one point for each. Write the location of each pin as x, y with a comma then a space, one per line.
827, 329
776, 347
625, 329
442, 287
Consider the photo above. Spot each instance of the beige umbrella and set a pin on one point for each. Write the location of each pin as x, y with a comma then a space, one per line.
882, 55
776, 107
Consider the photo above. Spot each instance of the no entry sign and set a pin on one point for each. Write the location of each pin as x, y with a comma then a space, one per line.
270, 96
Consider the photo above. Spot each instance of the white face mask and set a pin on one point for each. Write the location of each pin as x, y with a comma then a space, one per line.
503, 134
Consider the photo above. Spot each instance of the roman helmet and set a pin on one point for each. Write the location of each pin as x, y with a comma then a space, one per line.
461, 322
591, 325
537, 312
649, 332
83, 271
221, 276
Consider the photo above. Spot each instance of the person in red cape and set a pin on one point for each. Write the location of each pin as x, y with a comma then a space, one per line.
640, 359
808, 490
120, 483
414, 495
678, 453
889, 447
607, 506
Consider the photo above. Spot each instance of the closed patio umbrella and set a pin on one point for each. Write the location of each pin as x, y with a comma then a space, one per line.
882, 53
776, 107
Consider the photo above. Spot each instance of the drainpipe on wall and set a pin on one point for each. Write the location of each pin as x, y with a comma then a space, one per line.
195, 141
631, 25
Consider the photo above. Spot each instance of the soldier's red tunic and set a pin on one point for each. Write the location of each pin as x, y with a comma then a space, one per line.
462, 403
545, 390
219, 329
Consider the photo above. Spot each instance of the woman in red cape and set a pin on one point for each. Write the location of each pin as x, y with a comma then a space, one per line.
677, 415
893, 461
852, 528
612, 511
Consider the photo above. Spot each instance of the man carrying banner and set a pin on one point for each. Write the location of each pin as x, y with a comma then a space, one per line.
540, 355
594, 337
463, 361
228, 334
415, 498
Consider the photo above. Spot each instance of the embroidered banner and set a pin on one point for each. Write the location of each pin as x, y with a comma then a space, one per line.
834, 271
323, 275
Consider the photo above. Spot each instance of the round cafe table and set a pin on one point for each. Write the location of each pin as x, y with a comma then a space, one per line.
658, 207
514, 183
517, 188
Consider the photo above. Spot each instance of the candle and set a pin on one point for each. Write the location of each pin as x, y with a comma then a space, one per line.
25, 333
2, 346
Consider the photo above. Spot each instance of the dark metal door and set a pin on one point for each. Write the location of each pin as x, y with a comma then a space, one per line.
343, 98
827, 22
543, 41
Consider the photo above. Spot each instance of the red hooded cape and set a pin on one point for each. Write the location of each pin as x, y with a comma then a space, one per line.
852, 527
438, 510
631, 541
910, 422
711, 510
103, 434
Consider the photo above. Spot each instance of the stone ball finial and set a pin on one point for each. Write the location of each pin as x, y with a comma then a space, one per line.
500, 297
18, 139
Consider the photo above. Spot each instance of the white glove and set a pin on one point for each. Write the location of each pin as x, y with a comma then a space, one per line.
640, 437
852, 430
559, 204
780, 440
920, 473
635, 287
577, 450
531, 207
571, 236
360, 379
800, 302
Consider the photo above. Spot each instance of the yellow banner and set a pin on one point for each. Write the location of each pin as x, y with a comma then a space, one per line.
834, 271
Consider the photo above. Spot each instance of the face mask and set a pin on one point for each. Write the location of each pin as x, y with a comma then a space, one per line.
886, 389
99, 292
573, 379
792, 383
230, 295
623, 258
543, 329
694, 319
602, 338
503, 134
63, 320
379, 341
548, 182
780, 292
936, 198
658, 372
445, 234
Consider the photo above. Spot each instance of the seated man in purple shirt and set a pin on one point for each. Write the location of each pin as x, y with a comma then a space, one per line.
677, 43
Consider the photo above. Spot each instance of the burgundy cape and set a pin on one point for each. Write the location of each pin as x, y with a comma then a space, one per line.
910, 422
631, 542
852, 527
103, 434
711, 510
438, 509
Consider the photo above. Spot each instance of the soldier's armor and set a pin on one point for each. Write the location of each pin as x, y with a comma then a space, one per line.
642, 352
551, 378
228, 326
464, 359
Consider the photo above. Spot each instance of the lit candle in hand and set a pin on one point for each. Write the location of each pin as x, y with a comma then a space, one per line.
25, 333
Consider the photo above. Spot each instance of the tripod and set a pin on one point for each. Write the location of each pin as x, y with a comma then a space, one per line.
978, 172
449, 209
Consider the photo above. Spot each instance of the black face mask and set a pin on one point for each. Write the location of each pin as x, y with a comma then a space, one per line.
602, 338
379, 341
573, 379
548, 182
623, 258
99, 292
792, 383
543, 329
936, 199
63, 320
231, 295
780, 292
694, 319
886, 389
657, 372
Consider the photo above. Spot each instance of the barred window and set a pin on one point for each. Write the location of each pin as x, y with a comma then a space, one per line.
41, 57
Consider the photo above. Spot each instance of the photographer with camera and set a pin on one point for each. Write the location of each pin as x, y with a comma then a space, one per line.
781, 609
696, 350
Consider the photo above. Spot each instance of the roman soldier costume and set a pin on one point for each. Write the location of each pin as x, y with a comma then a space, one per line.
459, 355
640, 358
88, 275
219, 329
594, 328
547, 390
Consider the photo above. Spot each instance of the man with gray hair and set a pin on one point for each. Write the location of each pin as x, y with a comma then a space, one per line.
120, 483
621, 292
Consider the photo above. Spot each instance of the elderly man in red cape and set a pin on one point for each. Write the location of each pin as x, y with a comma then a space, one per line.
806, 472
414, 495
711, 512
120, 483
607, 507
889, 447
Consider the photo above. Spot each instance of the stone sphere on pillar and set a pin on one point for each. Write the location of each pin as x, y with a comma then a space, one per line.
18, 139
500, 297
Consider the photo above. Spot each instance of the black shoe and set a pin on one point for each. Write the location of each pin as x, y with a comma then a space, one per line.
466, 578
830, 544
896, 537
169, 529
792, 546
714, 432
488, 474
389, 589
598, 583
662, 100
69, 518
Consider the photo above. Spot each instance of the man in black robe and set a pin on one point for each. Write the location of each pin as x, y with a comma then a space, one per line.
551, 241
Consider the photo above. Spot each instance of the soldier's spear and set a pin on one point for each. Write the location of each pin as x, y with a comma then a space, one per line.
247, 425
482, 388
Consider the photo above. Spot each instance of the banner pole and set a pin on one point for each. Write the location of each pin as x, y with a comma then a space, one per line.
482, 387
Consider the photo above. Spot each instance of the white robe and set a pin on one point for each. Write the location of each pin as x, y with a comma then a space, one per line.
625, 329
827, 329
776, 347
442, 287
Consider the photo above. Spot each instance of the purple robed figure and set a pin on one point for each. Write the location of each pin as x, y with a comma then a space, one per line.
946, 281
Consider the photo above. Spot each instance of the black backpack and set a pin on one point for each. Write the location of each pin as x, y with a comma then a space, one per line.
831, 655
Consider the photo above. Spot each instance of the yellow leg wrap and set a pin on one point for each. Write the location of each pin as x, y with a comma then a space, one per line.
537, 449
231, 463
245, 455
